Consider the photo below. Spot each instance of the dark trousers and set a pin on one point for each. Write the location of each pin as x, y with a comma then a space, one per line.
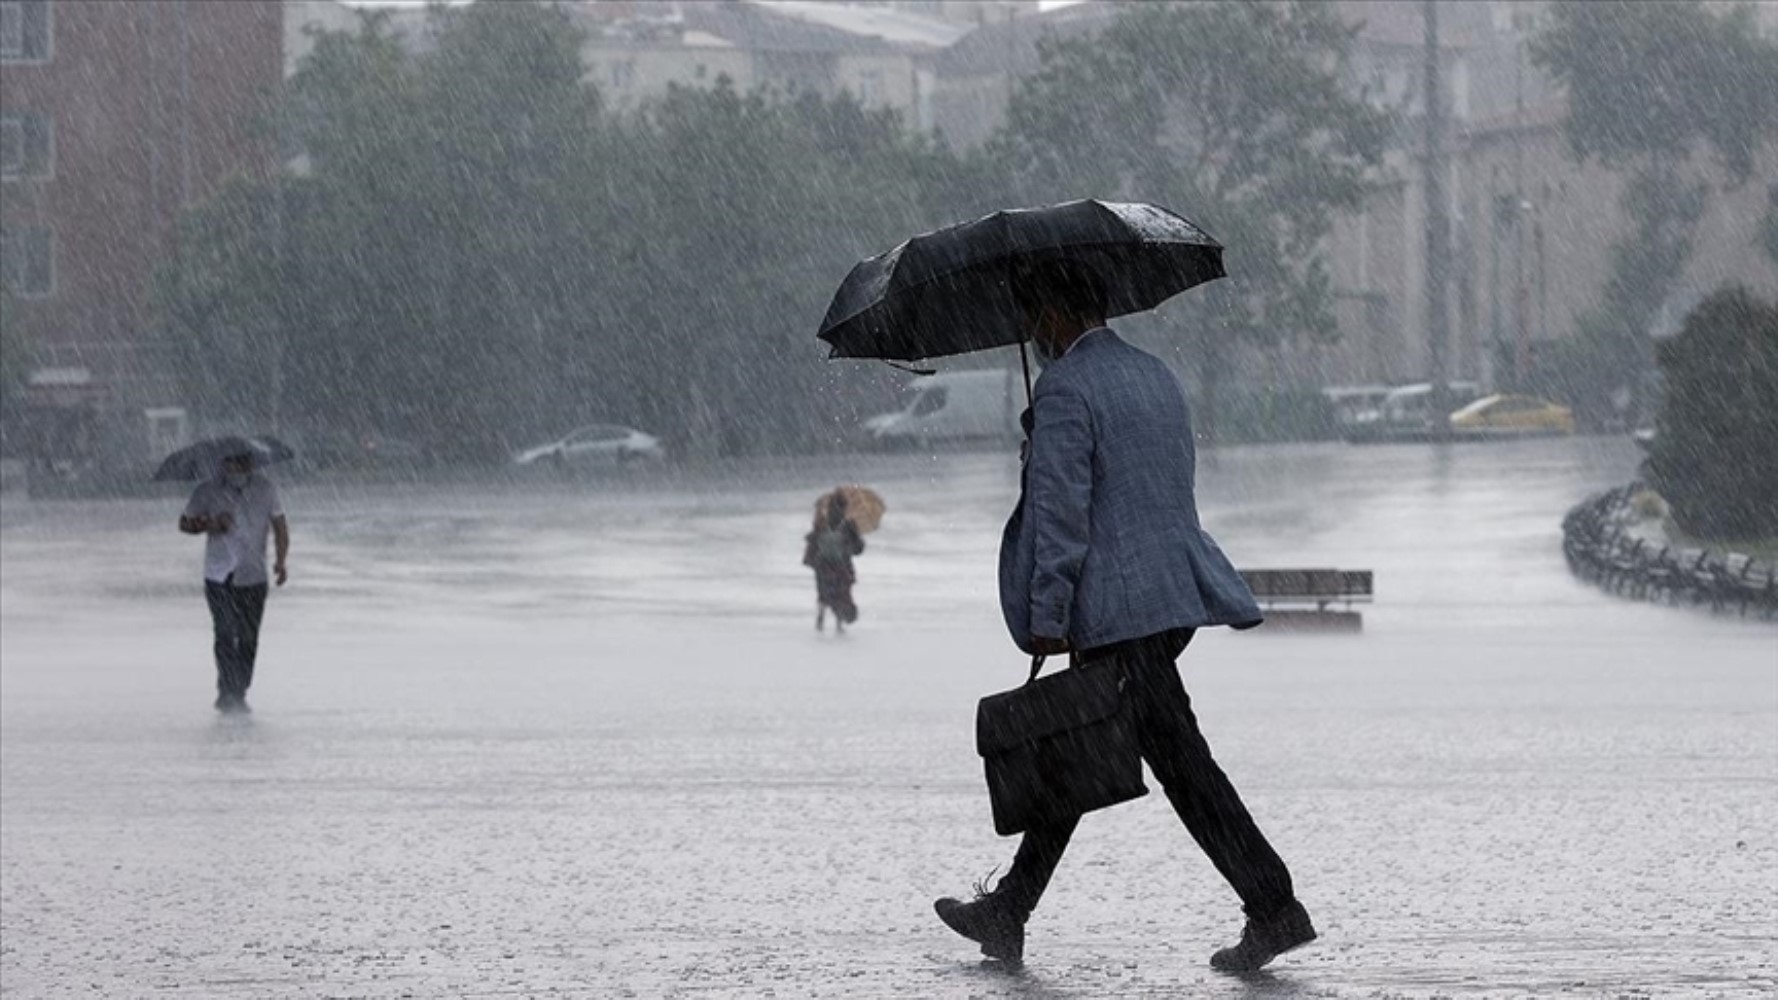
1180, 758
235, 611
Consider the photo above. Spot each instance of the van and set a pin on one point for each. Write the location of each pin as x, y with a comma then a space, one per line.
953, 407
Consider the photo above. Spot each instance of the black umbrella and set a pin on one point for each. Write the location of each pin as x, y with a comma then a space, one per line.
948, 292
203, 460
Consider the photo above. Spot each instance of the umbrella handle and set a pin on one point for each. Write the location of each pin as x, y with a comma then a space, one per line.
1025, 363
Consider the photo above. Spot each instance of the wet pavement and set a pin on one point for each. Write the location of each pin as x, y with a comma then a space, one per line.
581, 739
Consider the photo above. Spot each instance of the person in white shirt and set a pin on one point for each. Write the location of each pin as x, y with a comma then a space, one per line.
236, 510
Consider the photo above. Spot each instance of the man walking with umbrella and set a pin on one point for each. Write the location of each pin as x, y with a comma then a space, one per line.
1104, 558
235, 510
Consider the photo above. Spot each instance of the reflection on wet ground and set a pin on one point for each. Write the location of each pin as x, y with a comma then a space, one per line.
580, 739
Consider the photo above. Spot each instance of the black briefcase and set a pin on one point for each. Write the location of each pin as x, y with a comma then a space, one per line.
1059, 746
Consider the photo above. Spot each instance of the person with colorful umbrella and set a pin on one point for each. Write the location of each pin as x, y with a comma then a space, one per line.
841, 519
1104, 558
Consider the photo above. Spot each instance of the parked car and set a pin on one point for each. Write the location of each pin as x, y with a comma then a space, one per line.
595, 445
1512, 416
953, 407
1405, 414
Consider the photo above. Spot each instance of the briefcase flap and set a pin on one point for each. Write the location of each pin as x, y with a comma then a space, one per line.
1072, 699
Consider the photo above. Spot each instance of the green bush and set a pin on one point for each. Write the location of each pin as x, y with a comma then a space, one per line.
1715, 456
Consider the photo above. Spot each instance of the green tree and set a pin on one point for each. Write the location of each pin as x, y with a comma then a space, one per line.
480, 252
1652, 86
1712, 458
1236, 115
1662, 80
418, 279
1611, 353
748, 210
14, 360
222, 301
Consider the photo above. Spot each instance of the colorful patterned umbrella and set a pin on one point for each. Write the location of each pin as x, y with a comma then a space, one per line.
864, 508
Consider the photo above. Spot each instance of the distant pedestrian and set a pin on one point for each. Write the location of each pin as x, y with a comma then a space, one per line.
236, 510
1104, 559
828, 550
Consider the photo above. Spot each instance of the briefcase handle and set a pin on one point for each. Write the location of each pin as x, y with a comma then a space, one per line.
1037, 664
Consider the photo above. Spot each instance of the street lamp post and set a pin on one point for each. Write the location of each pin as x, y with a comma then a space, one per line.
1437, 226
1522, 208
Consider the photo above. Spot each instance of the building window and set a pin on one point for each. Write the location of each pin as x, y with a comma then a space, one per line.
28, 261
27, 145
24, 31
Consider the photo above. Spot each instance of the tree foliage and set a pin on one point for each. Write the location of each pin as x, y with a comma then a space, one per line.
13, 353
749, 209
1234, 114
1651, 87
480, 253
1712, 457
1662, 81
1612, 345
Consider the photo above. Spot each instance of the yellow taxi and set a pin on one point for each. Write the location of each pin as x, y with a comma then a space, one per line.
1512, 416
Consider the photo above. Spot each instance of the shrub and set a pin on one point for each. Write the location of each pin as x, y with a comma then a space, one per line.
1715, 454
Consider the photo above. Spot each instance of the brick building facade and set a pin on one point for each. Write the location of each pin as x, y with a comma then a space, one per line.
114, 117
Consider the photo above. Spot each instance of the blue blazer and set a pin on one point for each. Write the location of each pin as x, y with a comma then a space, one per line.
1105, 543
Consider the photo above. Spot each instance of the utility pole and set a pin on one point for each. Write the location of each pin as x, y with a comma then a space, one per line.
1438, 235
1521, 293
1493, 361
280, 295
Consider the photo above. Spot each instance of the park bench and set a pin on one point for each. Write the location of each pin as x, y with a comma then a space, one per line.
1301, 598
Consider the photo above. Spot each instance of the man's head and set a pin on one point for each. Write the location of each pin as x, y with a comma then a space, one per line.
236, 468
1061, 300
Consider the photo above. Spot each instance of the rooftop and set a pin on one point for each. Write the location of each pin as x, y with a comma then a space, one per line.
896, 26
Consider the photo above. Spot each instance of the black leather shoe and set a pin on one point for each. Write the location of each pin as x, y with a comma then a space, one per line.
987, 922
1264, 940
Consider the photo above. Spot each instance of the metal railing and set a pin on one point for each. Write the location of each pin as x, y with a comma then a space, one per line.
1601, 549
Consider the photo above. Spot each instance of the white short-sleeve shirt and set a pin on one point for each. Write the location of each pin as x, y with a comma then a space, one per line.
240, 551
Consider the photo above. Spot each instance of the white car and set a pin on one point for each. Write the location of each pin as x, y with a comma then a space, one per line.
595, 445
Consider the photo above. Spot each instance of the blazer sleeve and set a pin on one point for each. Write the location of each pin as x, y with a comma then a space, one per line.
1060, 484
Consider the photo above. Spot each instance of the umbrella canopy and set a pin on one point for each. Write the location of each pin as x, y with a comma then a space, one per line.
864, 508
949, 292
203, 459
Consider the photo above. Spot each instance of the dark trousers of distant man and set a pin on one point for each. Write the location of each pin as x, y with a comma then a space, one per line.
1180, 759
235, 611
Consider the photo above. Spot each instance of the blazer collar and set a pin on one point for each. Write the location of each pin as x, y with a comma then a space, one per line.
1096, 333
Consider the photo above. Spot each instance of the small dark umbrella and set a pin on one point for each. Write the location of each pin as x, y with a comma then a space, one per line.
948, 292
203, 459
